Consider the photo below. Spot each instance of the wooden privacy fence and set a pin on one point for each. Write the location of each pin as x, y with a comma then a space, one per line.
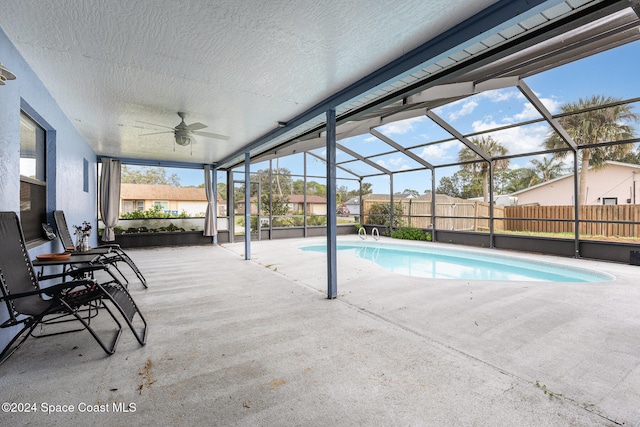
451, 213
469, 215
560, 219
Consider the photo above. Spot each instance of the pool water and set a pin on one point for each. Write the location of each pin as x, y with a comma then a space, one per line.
435, 262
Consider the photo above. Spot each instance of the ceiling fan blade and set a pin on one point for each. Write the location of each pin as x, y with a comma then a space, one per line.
196, 126
212, 135
156, 133
155, 124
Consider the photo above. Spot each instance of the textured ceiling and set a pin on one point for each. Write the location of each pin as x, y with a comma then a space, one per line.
241, 67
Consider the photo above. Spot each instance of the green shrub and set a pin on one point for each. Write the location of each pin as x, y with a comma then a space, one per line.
410, 233
379, 214
155, 212
316, 220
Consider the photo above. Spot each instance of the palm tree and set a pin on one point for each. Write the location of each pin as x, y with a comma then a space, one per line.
595, 126
492, 148
546, 170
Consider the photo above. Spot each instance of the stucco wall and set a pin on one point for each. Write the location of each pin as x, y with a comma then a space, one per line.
612, 181
64, 158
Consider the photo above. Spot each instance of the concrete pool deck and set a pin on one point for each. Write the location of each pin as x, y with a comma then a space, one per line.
235, 342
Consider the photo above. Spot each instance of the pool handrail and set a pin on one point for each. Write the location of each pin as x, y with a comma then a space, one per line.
375, 233
362, 233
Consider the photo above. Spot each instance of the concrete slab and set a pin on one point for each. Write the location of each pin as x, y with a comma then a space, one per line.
235, 342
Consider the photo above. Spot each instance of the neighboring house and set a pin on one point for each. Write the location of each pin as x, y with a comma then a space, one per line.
616, 183
499, 199
175, 200
353, 204
316, 205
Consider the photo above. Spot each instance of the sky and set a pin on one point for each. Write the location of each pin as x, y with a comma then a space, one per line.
611, 73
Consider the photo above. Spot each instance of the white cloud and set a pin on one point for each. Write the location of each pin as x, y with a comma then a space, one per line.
518, 139
437, 153
467, 108
528, 113
400, 127
393, 163
501, 95
553, 105
480, 125
382, 163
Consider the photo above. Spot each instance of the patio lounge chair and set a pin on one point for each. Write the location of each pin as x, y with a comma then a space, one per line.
110, 253
28, 305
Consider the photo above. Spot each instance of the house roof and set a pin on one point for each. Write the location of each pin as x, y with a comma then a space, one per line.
162, 192
299, 198
560, 178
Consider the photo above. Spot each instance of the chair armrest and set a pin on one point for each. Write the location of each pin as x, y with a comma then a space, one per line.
109, 245
49, 291
67, 286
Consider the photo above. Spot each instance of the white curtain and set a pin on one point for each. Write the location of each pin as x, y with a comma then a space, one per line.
110, 197
210, 215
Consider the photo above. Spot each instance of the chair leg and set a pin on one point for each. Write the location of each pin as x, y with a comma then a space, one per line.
116, 337
133, 267
89, 313
121, 299
17, 341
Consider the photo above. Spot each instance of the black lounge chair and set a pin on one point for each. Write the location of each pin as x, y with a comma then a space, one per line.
110, 253
28, 305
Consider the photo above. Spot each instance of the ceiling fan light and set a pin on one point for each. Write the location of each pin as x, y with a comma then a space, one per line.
183, 140
6, 74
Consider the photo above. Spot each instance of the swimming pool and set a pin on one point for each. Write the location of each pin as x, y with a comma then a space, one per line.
432, 261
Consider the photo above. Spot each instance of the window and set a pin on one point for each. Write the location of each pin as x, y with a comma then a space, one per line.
163, 205
33, 185
609, 200
85, 175
129, 206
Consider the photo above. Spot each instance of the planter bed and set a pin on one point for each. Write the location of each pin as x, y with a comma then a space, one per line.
168, 238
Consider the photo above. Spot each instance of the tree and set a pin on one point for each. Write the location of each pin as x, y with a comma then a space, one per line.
595, 126
380, 213
343, 193
462, 184
222, 190
631, 157
278, 181
278, 184
515, 180
148, 175
547, 169
411, 192
492, 148
313, 188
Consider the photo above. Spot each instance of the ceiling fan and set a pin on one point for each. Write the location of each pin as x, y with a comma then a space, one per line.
184, 132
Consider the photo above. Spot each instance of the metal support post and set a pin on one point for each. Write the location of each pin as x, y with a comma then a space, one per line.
433, 205
304, 195
491, 230
214, 183
391, 205
332, 270
247, 205
231, 217
576, 205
